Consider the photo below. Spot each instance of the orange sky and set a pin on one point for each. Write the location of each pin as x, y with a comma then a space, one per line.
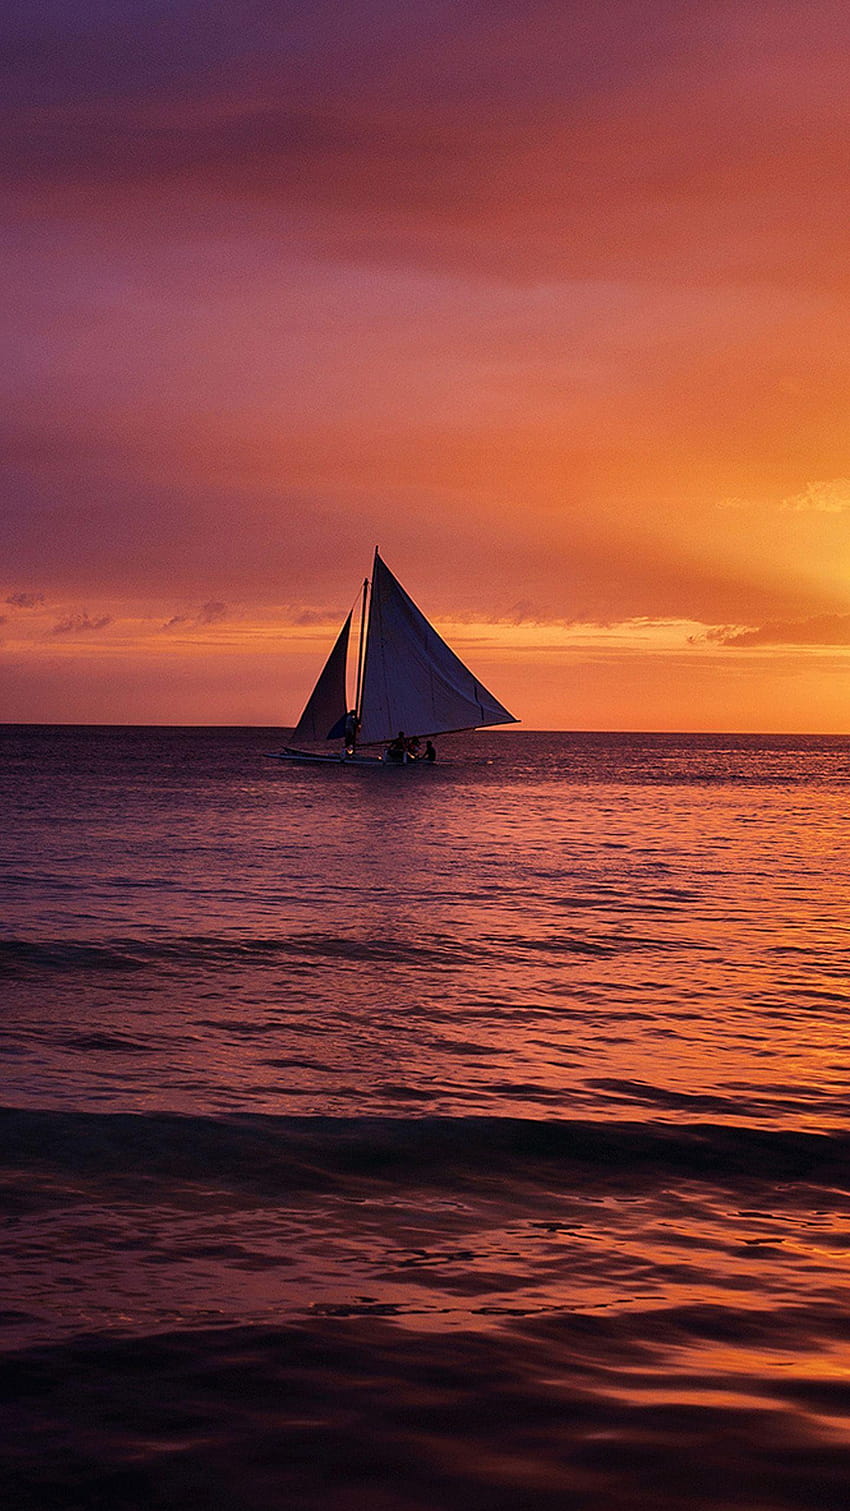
550, 302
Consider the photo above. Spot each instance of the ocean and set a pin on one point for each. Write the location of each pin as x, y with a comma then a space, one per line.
471, 1137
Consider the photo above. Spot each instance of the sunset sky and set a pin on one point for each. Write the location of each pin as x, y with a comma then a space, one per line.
550, 301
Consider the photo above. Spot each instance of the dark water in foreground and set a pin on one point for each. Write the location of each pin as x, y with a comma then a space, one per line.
472, 1137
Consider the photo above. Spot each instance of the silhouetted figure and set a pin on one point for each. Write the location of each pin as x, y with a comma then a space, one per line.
351, 724
429, 754
396, 751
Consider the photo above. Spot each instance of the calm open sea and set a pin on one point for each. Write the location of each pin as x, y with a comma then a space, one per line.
469, 1137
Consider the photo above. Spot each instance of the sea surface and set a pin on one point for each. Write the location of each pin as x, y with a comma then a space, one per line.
415, 1139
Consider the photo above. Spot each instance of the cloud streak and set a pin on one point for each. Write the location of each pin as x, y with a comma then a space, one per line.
25, 600
81, 624
819, 630
830, 497
212, 612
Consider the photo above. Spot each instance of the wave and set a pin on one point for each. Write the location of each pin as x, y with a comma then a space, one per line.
272, 1157
349, 1410
24, 956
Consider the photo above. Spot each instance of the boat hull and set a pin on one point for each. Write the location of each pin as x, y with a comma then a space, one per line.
307, 758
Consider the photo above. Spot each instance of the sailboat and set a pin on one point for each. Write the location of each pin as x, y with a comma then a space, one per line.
408, 681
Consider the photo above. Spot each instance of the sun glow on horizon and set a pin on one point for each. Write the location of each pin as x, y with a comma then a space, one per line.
221, 664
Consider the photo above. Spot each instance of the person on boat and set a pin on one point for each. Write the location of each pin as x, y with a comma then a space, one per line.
396, 751
429, 753
412, 748
351, 724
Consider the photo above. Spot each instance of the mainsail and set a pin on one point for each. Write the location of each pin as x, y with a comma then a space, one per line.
412, 680
326, 706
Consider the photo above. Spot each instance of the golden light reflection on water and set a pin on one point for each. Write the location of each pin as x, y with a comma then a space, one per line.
452, 946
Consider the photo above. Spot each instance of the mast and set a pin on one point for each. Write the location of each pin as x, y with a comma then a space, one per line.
360, 652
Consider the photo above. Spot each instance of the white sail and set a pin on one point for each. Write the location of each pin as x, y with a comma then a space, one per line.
412, 681
326, 705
